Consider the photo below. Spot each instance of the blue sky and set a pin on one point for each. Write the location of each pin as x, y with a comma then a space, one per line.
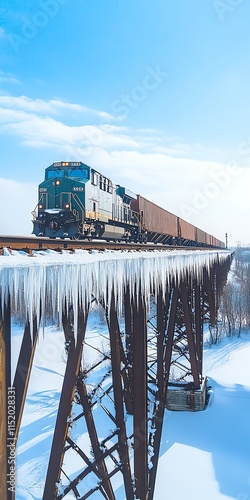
154, 95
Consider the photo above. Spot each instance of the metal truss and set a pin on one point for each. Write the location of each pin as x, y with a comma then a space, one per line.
123, 389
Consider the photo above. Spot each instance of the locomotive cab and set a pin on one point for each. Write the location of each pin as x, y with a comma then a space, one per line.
61, 205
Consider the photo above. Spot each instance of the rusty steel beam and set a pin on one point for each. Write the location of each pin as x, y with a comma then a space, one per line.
170, 332
115, 340
7, 409
160, 406
91, 467
5, 333
23, 369
140, 398
64, 410
160, 394
198, 312
125, 351
128, 316
125, 373
190, 337
101, 466
161, 326
208, 284
158, 424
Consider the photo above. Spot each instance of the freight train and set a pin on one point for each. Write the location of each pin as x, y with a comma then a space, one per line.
77, 202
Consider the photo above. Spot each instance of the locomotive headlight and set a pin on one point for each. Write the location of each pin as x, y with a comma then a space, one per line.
67, 205
58, 183
40, 206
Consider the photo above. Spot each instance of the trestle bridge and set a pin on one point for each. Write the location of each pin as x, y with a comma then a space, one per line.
155, 304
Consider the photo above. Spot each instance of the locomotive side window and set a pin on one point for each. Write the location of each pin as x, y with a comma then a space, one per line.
109, 186
101, 182
79, 173
94, 178
105, 184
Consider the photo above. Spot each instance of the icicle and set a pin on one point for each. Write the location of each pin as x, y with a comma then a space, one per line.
72, 280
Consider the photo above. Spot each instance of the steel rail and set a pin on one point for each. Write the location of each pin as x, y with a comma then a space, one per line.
30, 243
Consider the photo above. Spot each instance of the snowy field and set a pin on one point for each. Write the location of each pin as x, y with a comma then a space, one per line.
204, 456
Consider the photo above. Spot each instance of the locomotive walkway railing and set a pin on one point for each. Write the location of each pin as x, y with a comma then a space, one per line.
155, 305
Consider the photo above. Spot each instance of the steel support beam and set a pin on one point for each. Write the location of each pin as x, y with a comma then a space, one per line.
23, 369
128, 313
115, 339
170, 332
64, 410
161, 326
101, 466
190, 337
140, 399
208, 285
5, 383
198, 312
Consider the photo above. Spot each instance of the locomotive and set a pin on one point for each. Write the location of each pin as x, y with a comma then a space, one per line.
76, 201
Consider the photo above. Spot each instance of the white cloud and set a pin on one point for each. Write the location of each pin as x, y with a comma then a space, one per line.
2, 33
53, 106
33, 122
17, 200
7, 77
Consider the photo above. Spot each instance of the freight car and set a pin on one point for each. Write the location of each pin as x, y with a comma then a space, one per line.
75, 201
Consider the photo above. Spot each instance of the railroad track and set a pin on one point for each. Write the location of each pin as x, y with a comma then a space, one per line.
28, 244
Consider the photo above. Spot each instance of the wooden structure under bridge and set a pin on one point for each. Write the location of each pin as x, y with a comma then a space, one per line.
155, 304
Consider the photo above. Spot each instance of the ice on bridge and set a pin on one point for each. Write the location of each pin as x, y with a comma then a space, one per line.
74, 279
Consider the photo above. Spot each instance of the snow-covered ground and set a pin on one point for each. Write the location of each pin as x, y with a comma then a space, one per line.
204, 456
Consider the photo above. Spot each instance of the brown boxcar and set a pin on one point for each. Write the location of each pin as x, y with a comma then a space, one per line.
187, 230
155, 218
219, 243
209, 239
201, 236
159, 221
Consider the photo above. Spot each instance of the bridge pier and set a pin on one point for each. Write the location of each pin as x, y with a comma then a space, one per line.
4, 384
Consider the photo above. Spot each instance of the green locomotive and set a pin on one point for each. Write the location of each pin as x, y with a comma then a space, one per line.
75, 201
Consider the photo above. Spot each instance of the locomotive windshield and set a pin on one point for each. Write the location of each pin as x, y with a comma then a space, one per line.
55, 172
78, 173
